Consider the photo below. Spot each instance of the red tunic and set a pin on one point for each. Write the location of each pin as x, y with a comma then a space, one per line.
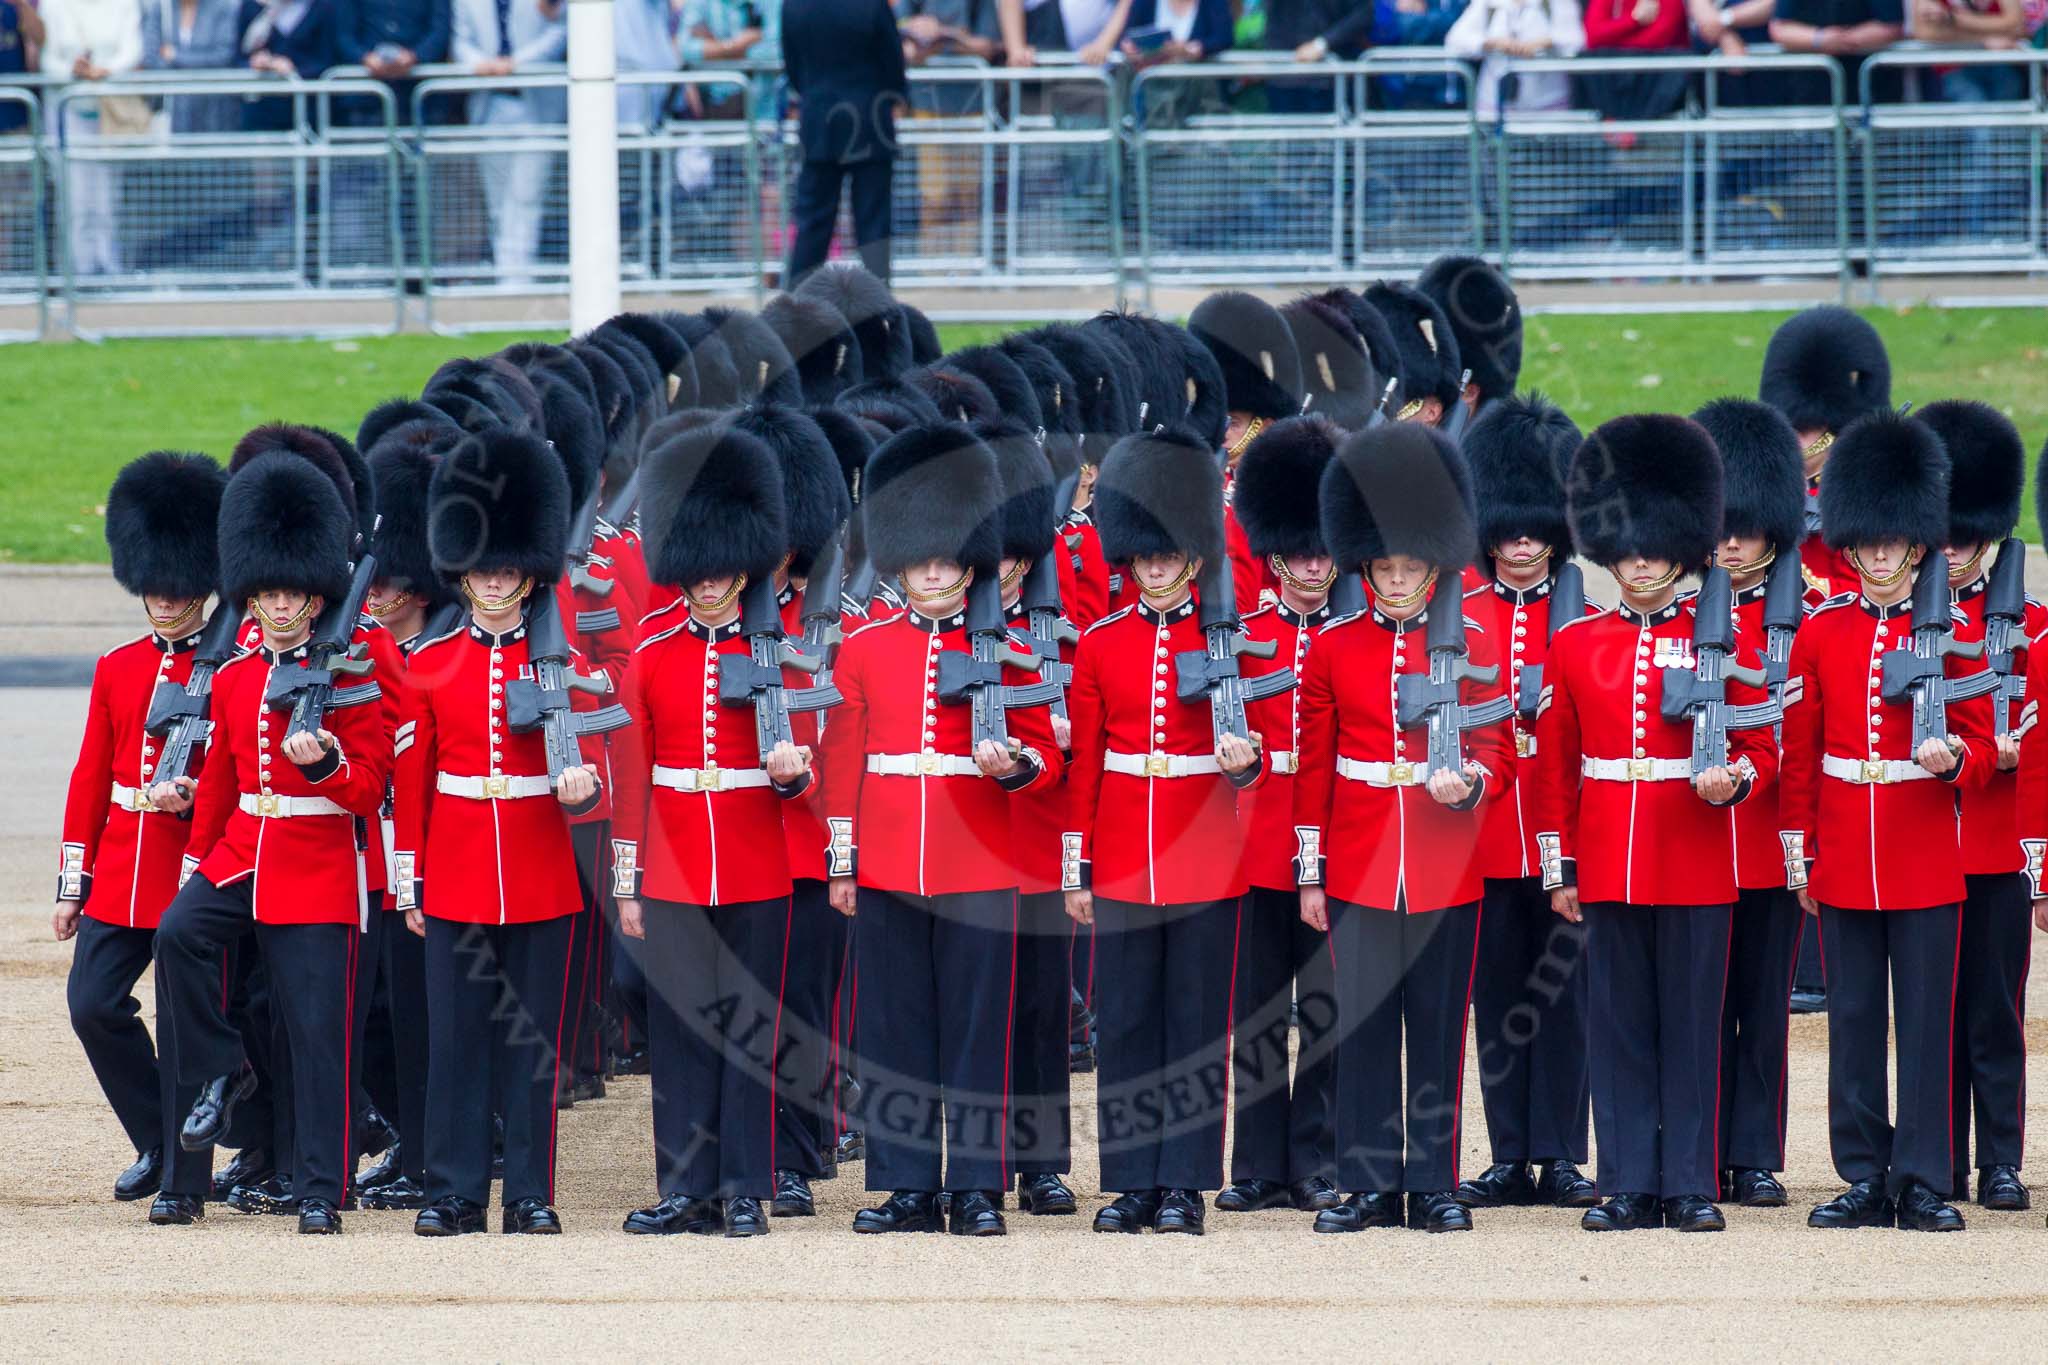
1640, 842
1889, 846
605, 653
1090, 602
1267, 813
803, 815
1991, 840
471, 859
1518, 622
1151, 840
1038, 817
1393, 847
920, 833
1754, 828
715, 846
304, 868
2033, 775
124, 863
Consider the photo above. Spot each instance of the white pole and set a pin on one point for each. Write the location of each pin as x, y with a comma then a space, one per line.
593, 165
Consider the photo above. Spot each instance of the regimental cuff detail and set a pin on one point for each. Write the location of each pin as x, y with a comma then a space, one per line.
2034, 849
1075, 872
405, 885
74, 883
1308, 855
1797, 864
625, 869
841, 854
1559, 871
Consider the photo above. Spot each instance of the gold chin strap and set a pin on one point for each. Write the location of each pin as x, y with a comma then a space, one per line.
1957, 573
1301, 584
1885, 580
1251, 433
1759, 564
1811, 457
288, 627
181, 620
1677, 570
1015, 575
393, 605
953, 589
1409, 409
1527, 563
1403, 603
496, 604
738, 585
1181, 580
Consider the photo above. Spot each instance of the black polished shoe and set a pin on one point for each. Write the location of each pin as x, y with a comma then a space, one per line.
387, 1169
176, 1210
1564, 1185
271, 1196
1179, 1211
743, 1217
1502, 1185
1313, 1195
792, 1196
1693, 1213
1754, 1189
375, 1134
1045, 1194
1807, 1001
251, 1166
450, 1217
1080, 1058
589, 1088
1998, 1189
1129, 1212
1253, 1196
146, 1177
677, 1213
1862, 1205
1377, 1209
975, 1215
851, 1147
215, 1108
903, 1211
632, 1063
531, 1216
1437, 1211
401, 1193
1624, 1213
318, 1218
1922, 1210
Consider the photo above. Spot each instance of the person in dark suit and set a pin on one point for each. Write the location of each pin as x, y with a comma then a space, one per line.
289, 38
844, 59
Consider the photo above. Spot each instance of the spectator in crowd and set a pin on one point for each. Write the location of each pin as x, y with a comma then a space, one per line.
1156, 32
1635, 25
715, 219
1847, 30
948, 177
730, 31
1313, 30
1730, 29
1408, 23
1620, 28
91, 40
643, 42
388, 38
1493, 32
844, 61
1993, 24
21, 32
503, 38
195, 35
288, 38
1087, 28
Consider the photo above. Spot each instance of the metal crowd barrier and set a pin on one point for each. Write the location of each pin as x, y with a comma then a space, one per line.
24, 274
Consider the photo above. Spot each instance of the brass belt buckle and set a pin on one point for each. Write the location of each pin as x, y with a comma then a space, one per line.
1158, 765
140, 803
1639, 770
1524, 744
495, 788
266, 804
707, 778
928, 764
1401, 774
1873, 771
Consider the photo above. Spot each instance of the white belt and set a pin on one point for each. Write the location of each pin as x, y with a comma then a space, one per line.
711, 778
922, 765
1381, 774
1874, 772
1636, 769
133, 798
284, 807
498, 788
1285, 761
1161, 765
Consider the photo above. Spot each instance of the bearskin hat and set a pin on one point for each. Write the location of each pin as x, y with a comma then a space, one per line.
925, 346
1374, 331
1208, 407
718, 376
958, 395
932, 492
1028, 520
1987, 469
360, 481
318, 448
814, 497
618, 406
403, 464
489, 382
283, 525
533, 358
635, 361
671, 353
1763, 485
1399, 489
1336, 373
1108, 407
713, 505
1485, 317
1052, 384
578, 437
1255, 351
1159, 493
1824, 368
1016, 400
827, 353
852, 443
1430, 363
1158, 374
500, 500
1888, 477
765, 367
1279, 481
1519, 452
890, 403
163, 517
873, 313
1647, 484
396, 412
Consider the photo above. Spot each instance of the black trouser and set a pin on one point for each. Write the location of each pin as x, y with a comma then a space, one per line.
1875, 956
1162, 1003
1990, 1031
1763, 951
1529, 1024
1281, 1133
1041, 1114
1657, 977
625, 986
369, 958
1811, 972
846, 1029
500, 1001
405, 989
803, 1099
311, 971
1396, 973
106, 962
583, 1041
714, 977
935, 1038
817, 213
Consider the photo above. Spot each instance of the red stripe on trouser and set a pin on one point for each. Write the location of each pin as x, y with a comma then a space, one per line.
348, 1044
2019, 1012
1727, 956
1229, 1029
1948, 1054
1009, 1050
1458, 1103
554, 1113
1785, 1052
775, 1047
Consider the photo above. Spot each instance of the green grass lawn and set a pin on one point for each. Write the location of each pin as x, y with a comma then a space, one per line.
71, 414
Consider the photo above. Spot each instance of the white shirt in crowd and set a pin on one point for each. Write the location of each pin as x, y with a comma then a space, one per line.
110, 30
1556, 23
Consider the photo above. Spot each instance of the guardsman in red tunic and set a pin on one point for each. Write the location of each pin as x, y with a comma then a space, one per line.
1762, 516
698, 860
920, 820
118, 867
1153, 853
1283, 1150
1486, 317
484, 860
1632, 841
1262, 384
1387, 841
1870, 813
1529, 990
274, 844
1432, 370
1987, 464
